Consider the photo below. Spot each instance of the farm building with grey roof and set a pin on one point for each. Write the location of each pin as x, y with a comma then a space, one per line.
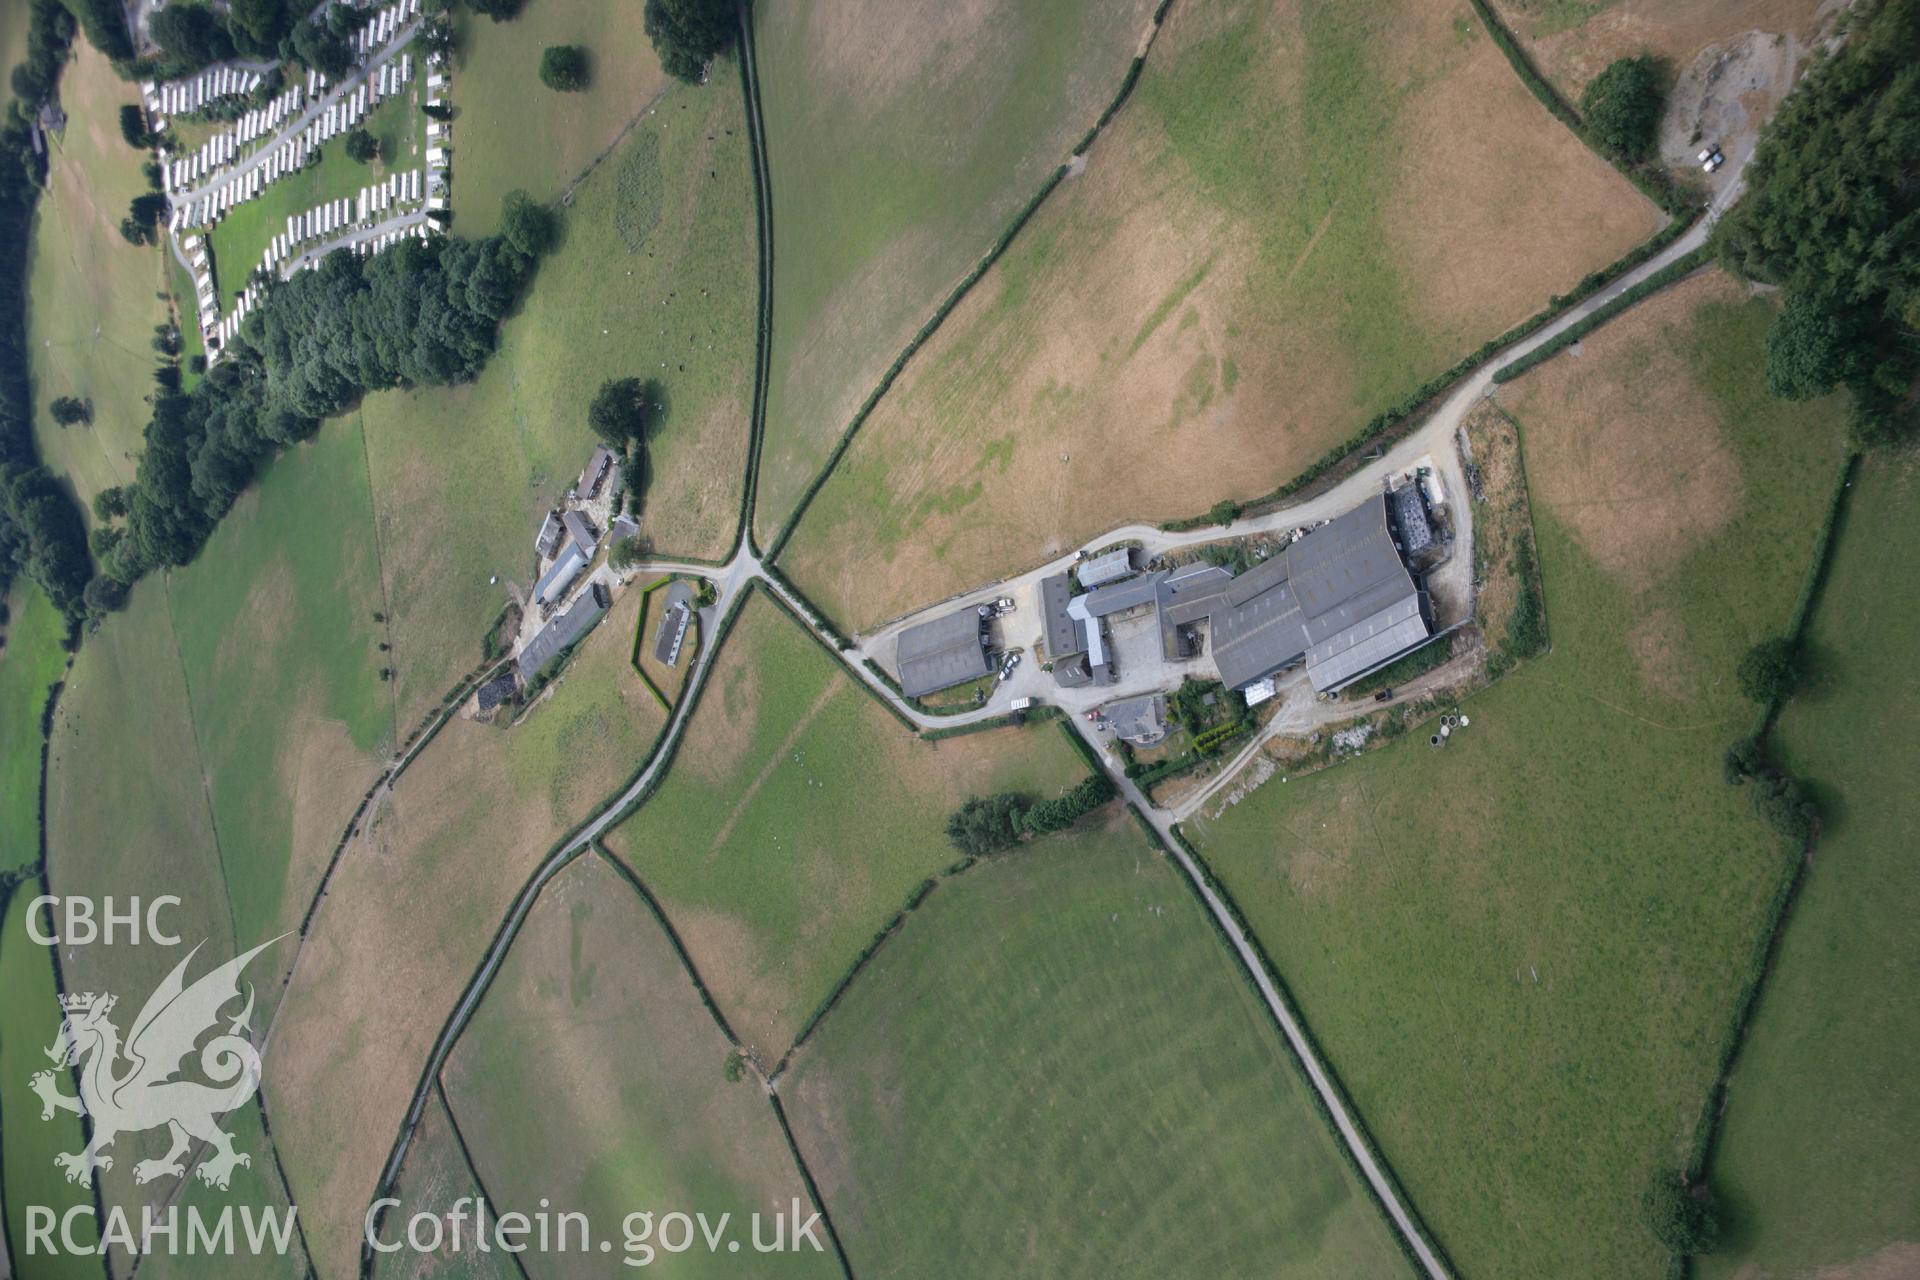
563, 632
942, 653
1341, 599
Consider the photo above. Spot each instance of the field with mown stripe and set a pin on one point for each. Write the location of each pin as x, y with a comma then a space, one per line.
903, 139
128, 815
1106, 1094
653, 278
1289, 227
1521, 952
797, 817
595, 1011
1816, 1158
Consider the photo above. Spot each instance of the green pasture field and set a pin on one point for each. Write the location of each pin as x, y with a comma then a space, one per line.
186, 305
128, 815
1521, 952
594, 1004
500, 453
31, 660
797, 817
276, 634
93, 298
411, 908
880, 204
512, 132
1815, 1164
254, 1187
241, 239
434, 1178
29, 1022
1281, 234
1162, 1127
13, 44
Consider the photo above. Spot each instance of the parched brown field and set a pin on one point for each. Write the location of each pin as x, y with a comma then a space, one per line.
410, 910
1642, 494
902, 137
594, 1013
797, 817
1572, 41
1289, 227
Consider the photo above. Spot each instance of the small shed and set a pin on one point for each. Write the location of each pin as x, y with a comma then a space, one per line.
1102, 569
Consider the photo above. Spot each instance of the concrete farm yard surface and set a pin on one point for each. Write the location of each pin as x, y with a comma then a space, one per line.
1586, 991
1282, 233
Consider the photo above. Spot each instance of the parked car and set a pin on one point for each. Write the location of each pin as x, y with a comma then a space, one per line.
1004, 604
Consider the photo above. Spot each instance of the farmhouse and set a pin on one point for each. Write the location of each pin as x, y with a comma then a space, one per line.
942, 653
1140, 721
672, 631
563, 632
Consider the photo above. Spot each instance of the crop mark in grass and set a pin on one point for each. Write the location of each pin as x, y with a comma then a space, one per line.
1528, 677
773, 761
1165, 308
1306, 250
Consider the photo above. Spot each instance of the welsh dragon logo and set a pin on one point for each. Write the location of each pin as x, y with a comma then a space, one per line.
135, 1086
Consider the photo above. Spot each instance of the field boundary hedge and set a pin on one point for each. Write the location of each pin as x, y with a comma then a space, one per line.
632, 877
1672, 273
916, 898
1663, 193
473, 1166
41, 873
1793, 873
1011, 720
660, 754
834, 654
1327, 1068
639, 638
763, 317
956, 295
692, 971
